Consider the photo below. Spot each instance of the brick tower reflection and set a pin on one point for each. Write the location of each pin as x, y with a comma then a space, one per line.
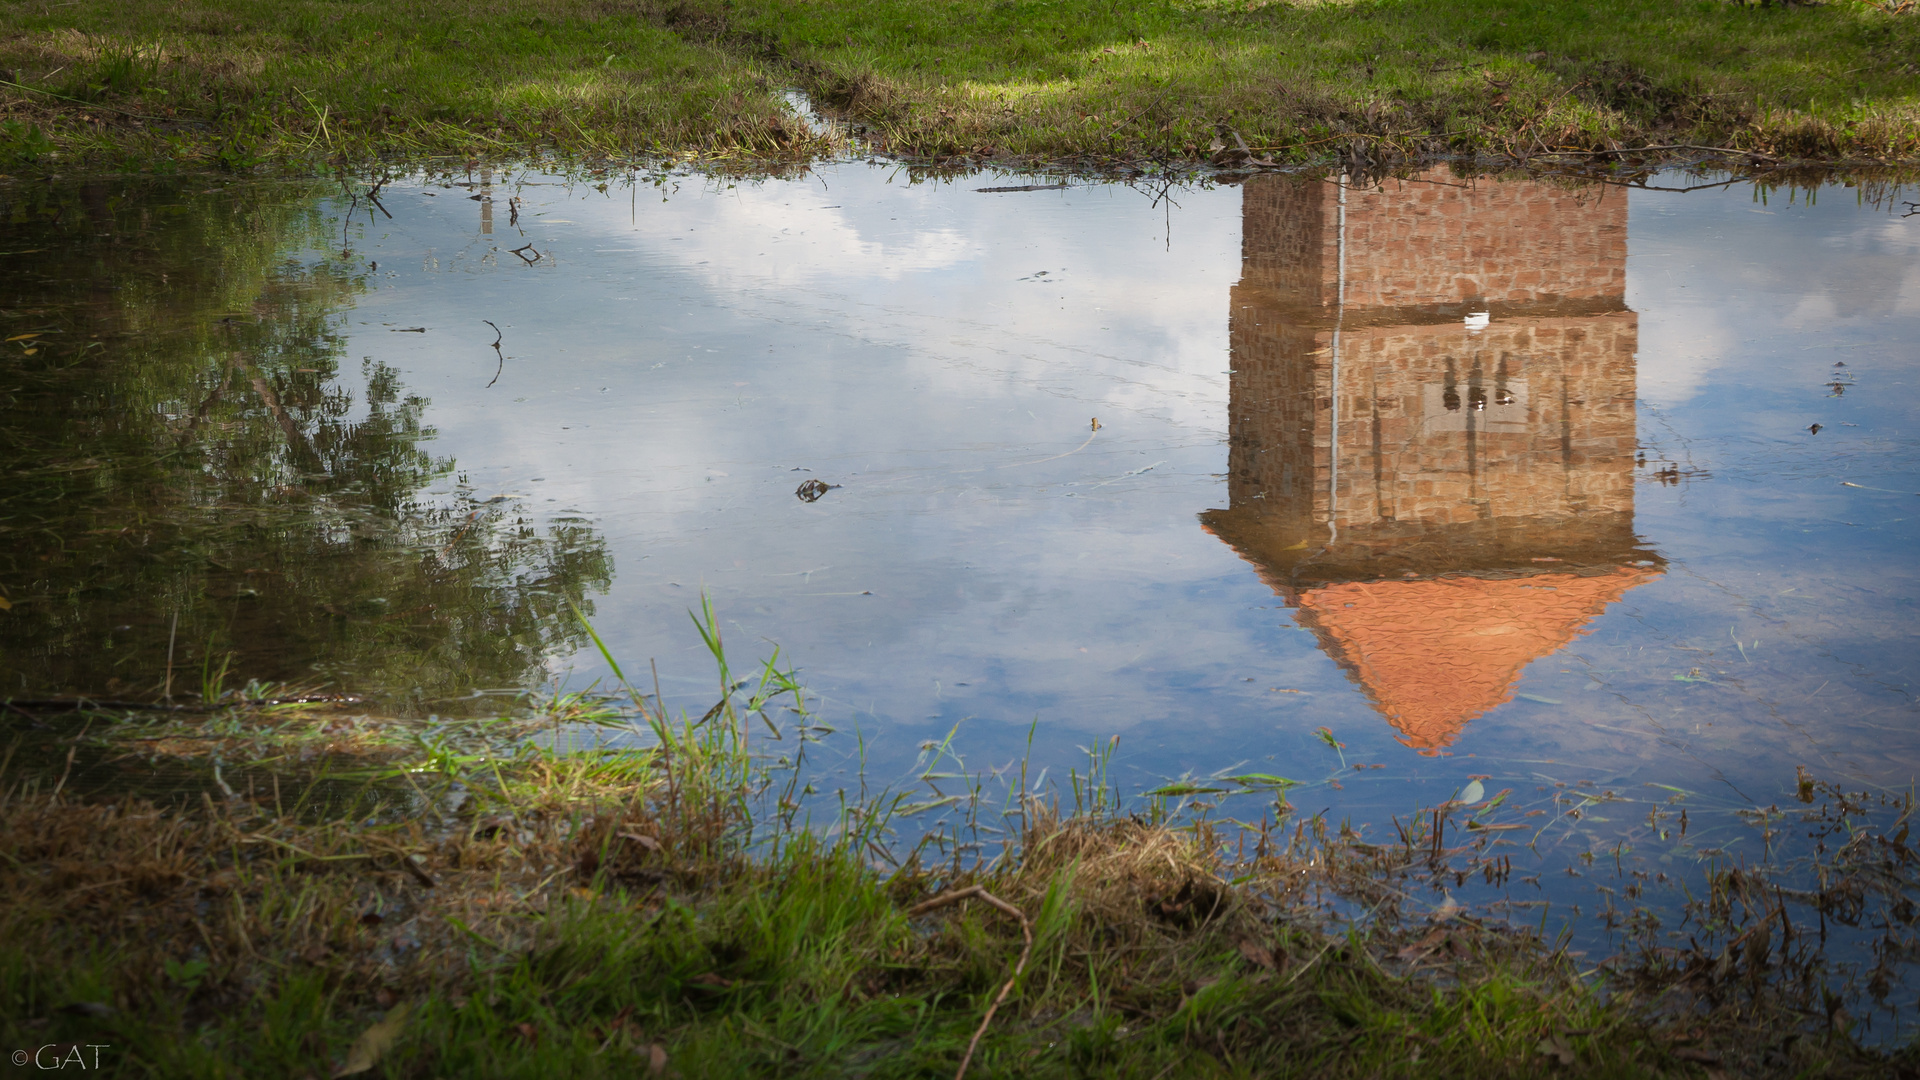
1442, 505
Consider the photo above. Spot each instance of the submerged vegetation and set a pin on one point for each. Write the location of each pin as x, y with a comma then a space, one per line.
1237, 81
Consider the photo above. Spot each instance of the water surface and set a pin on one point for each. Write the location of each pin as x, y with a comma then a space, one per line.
1535, 481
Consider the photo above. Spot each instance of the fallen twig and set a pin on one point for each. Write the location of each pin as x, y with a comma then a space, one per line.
106, 108
1026, 952
83, 704
1667, 146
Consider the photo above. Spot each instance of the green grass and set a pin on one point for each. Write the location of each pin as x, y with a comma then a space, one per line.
1107, 80
1085, 81
662, 912
804, 963
236, 83
670, 911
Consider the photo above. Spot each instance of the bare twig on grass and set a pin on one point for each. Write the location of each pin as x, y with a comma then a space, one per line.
85, 704
1026, 952
98, 107
1667, 146
172, 629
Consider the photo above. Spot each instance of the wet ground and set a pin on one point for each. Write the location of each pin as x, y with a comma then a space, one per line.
1383, 489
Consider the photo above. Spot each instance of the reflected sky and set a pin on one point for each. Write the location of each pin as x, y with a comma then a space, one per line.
1524, 479
1634, 557
1604, 497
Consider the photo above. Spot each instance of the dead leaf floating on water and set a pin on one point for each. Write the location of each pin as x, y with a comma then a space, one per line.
811, 490
373, 1043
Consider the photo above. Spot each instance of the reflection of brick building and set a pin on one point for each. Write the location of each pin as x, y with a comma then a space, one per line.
1443, 505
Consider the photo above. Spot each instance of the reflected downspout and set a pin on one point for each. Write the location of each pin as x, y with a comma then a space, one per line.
1339, 318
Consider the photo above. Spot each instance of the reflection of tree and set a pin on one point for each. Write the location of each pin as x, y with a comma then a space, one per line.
180, 442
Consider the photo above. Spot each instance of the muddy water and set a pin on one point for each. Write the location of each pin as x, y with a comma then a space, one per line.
1534, 481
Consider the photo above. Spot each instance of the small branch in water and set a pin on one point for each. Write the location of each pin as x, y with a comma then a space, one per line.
373, 196
1026, 952
1057, 457
461, 534
522, 252
502, 366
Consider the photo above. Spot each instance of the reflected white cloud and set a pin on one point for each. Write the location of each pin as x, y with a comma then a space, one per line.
676, 369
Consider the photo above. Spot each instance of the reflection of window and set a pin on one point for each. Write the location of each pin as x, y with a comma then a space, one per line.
1444, 408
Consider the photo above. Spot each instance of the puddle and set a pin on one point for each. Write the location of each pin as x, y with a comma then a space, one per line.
1534, 481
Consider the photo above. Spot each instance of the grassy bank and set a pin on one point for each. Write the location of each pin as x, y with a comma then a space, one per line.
671, 911
152, 84
596, 930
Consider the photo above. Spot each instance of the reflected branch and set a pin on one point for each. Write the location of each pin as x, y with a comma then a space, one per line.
502, 357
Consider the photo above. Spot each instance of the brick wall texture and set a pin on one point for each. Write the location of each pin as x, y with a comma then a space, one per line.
1378, 443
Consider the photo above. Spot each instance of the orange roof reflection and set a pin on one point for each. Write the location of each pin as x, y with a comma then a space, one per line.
1436, 653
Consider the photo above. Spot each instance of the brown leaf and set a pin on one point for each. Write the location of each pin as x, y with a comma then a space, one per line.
373, 1043
1257, 954
527, 1032
712, 979
1556, 1048
642, 839
1704, 1057
1425, 945
657, 1059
